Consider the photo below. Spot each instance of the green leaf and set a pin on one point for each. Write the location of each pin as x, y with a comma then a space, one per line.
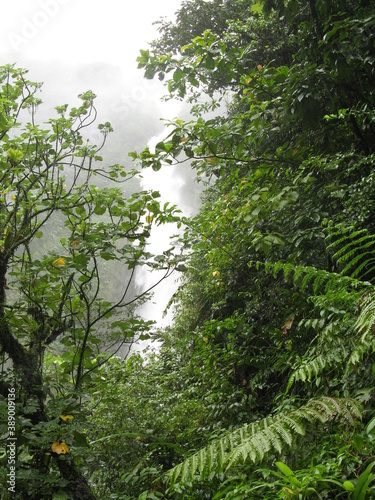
178, 75
358, 441
80, 439
287, 471
370, 426
363, 482
348, 485
100, 209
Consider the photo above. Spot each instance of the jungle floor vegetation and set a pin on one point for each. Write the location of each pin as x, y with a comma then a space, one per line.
264, 385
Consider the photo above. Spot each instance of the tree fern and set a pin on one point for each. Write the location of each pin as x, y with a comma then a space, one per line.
254, 441
336, 295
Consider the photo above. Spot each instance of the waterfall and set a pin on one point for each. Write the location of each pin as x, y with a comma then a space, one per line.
171, 181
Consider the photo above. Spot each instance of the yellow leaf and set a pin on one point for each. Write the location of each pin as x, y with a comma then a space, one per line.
60, 262
259, 67
149, 219
75, 243
55, 446
216, 274
65, 418
13, 197
59, 448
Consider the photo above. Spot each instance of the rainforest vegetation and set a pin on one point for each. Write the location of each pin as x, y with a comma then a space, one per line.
263, 387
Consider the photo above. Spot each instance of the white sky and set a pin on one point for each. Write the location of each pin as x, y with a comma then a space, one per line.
80, 30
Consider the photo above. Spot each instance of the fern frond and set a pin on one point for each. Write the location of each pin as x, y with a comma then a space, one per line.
348, 240
365, 323
254, 441
329, 407
319, 279
366, 346
354, 249
201, 455
188, 466
283, 431
223, 445
312, 368
367, 259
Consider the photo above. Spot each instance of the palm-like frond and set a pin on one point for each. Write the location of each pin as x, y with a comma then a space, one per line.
254, 441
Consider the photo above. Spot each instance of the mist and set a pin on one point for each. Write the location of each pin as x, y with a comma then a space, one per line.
77, 46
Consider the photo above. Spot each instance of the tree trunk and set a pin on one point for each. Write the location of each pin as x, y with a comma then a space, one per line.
78, 486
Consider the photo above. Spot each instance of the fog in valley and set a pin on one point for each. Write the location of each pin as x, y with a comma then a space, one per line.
75, 46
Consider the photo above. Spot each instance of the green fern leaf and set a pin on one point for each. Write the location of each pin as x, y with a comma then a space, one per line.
295, 424
189, 467
254, 441
366, 346
313, 367
283, 431
201, 457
